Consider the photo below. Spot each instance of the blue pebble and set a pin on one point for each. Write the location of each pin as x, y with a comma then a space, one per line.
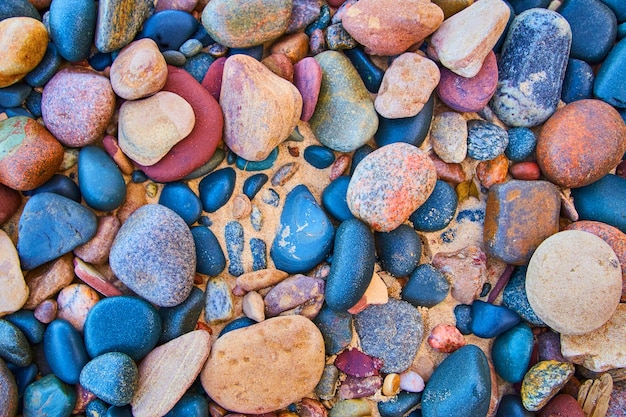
522, 5
400, 404
608, 85
48, 66
100, 180
73, 37
253, 184
256, 219
112, 377
203, 36
198, 65
182, 200
216, 189
463, 317
371, 75
190, 405
271, 197
514, 297
138, 177
169, 28
100, 60
181, 319
209, 255
49, 396
58, 184
411, 130
238, 323
426, 287
498, 46
621, 31
489, 320
33, 103
205, 221
255, 52
231, 157
65, 351
603, 201
259, 254
319, 156
96, 408
618, 7
485, 140
522, 143
125, 411
399, 251
358, 156
511, 352
511, 406
18, 8
472, 215
246, 165
24, 376
18, 111
25, 320
300, 245
336, 329
438, 210
14, 95
233, 235
334, 199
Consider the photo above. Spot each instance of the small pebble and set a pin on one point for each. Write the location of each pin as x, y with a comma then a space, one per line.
485, 140
543, 381
411, 381
46, 311
219, 305
445, 338
112, 377
74, 303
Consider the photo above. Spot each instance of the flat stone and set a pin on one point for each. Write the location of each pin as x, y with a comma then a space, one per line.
119, 21
23, 43
47, 280
14, 290
96, 250
139, 70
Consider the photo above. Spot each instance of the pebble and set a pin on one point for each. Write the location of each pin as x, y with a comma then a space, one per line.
296, 292
543, 381
258, 250
58, 184
139, 70
591, 270
14, 289
351, 408
219, 304
10, 202
549, 347
448, 137
511, 353
336, 329
23, 43
375, 293
464, 40
389, 28
65, 351
411, 381
216, 189
319, 156
74, 303
607, 86
445, 338
279, 64
48, 396
72, 37
13, 8
47, 280
562, 404
406, 86
514, 297
257, 376
178, 197
522, 143
400, 404
531, 68
485, 140
283, 174
95, 279
26, 321
307, 77
327, 385
116, 25
303, 13
253, 306
267, 163
490, 320
426, 287
334, 199
371, 75
466, 270
14, 95
578, 81
30, 154
399, 251
101, 183
391, 332
233, 234
144, 258
14, 347
460, 385
599, 201
181, 319
493, 171
355, 363
511, 406
344, 118
192, 405
112, 377
209, 255
168, 371
8, 391
337, 38
169, 28
198, 65
126, 324
437, 211
353, 387
411, 130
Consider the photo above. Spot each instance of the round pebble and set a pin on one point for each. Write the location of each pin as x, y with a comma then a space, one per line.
74, 303
399, 251
485, 140
112, 377
139, 70
437, 211
23, 43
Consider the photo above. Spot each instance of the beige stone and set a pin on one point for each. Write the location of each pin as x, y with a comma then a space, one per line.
463, 41
467, 271
253, 306
14, 292
263, 278
139, 70
574, 282
96, 251
23, 43
48, 279
406, 86
266, 366
448, 137
74, 303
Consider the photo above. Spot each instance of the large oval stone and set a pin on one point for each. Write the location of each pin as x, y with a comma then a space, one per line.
344, 117
23, 43
101, 182
65, 351
154, 254
266, 366
73, 37
119, 21
14, 290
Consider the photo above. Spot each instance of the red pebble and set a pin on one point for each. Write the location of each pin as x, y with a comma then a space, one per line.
562, 405
10, 201
525, 171
448, 172
339, 167
446, 338
307, 77
492, 172
212, 80
356, 363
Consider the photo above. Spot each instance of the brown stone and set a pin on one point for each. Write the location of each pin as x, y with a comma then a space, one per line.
493, 171
9, 398
581, 143
139, 70
135, 198
303, 13
562, 405
527, 170
453, 173
10, 201
48, 279
452, 7
466, 269
23, 43
294, 46
109, 143
280, 65
263, 278
96, 251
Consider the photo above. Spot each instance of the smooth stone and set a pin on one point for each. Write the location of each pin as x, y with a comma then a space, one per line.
469, 94
213, 78
587, 124
391, 332
485, 140
181, 319
334, 199
566, 268
74, 303
10, 202
126, 324
85, 95
198, 65
267, 163
352, 265
58, 184
26, 321
49, 396
437, 211
514, 297
297, 247
563, 404
233, 235
23, 43
242, 24
460, 385
65, 351
426, 287
521, 6
119, 21
139, 70
618, 8
298, 294
14, 289
463, 318
112, 377
100, 180
389, 28
578, 81
490, 320
14, 347
114, 411
452, 7
464, 40
154, 255
219, 303
336, 328
511, 406
209, 166
190, 405
400, 172
58, 220
253, 184
522, 143
511, 353
307, 77
357, 407
72, 37
319, 156
100, 60
600, 201
255, 52
344, 118
47, 280
216, 189
209, 255
9, 395
448, 137
17, 8
400, 404
178, 197
96, 251
411, 130
33, 103
256, 376
191, 47
200, 145
168, 371
238, 323
543, 381
14, 95
29, 154
169, 28
399, 251
371, 75
359, 155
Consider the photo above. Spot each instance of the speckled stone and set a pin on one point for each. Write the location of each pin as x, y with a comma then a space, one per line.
112, 377
14, 346
48, 396
139, 70
72, 37
485, 140
8, 392
23, 43
514, 297
119, 21
303, 13
74, 303
154, 254
336, 328
543, 381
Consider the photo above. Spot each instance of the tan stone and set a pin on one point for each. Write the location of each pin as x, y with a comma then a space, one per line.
23, 43
467, 271
139, 70
48, 279
96, 251
463, 41
263, 278
14, 291
266, 366
74, 303
448, 137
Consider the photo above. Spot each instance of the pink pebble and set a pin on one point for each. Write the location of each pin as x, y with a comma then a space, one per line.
411, 381
307, 77
446, 338
212, 80
46, 311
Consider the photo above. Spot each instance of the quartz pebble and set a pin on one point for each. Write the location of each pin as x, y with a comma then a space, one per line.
139, 70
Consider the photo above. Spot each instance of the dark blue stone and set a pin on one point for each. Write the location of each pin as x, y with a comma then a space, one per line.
522, 5
514, 297
33, 103
100, 60
255, 52
511, 406
231, 157
621, 31
209, 255
24, 376
58, 184
65, 350
460, 385
96, 408
498, 47
169, 28
112, 377
522, 143
578, 81
203, 36
271, 197
48, 66
352, 265
246, 165
511, 353
400, 404
399, 251
618, 7
181, 199
594, 28
17, 112
14, 95
138, 177
73, 37
125, 411
181, 319
336, 329
334, 199
253, 184
238, 323
198, 65
411, 130
216, 189
100, 179
489, 320
305, 235
463, 317
438, 210
18, 8
358, 156
322, 21
319, 156
60, 222
371, 75
485, 140
25, 320
49, 396
426, 287
258, 251
233, 235
603, 201
190, 405
609, 85
124, 324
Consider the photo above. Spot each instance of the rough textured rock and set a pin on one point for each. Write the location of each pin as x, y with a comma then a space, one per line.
467, 271
119, 21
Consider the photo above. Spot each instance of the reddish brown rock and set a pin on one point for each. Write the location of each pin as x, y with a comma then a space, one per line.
198, 147
294, 46
453, 173
10, 201
115, 152
212, 80
493, 171
48, 279
307, 77
29, 154
466, 269
280, 65
469, 94
445, 338
581, 143
528, 170
562, 405
96, 251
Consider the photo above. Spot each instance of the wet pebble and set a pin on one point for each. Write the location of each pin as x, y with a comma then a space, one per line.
336, 328
46, 311
219, 302
334, 199
49, 396
253, 184
490, 320
233, 234
191, 405
543, 381
511, 353
112, 377
411, 130
426, 287
178, 197
209, 255
100, 180
599, 201
319, 156
169, 28
578, 81
514, 297
399, 251
485, 140
65, 350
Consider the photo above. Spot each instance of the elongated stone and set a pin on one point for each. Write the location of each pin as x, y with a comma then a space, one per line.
119, 21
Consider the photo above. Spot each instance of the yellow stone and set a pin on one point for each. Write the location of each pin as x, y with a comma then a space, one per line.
23, 43
451, 7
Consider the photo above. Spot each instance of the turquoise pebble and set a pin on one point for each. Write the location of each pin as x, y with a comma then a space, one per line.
267, 163
24, 376
182, 318
14, 347
319, 156
216, 189
96, 408
190, 405
182, 200
334, 199
514, 297
400, 404
49, 396
511, 353
100, 179
426, 287
25, 320
112, 377
399, 251
603, 201
65, 350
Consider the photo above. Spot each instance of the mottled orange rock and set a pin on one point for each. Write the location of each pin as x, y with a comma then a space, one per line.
23, 43
139, 70
280, 65
493, 171
295, 46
